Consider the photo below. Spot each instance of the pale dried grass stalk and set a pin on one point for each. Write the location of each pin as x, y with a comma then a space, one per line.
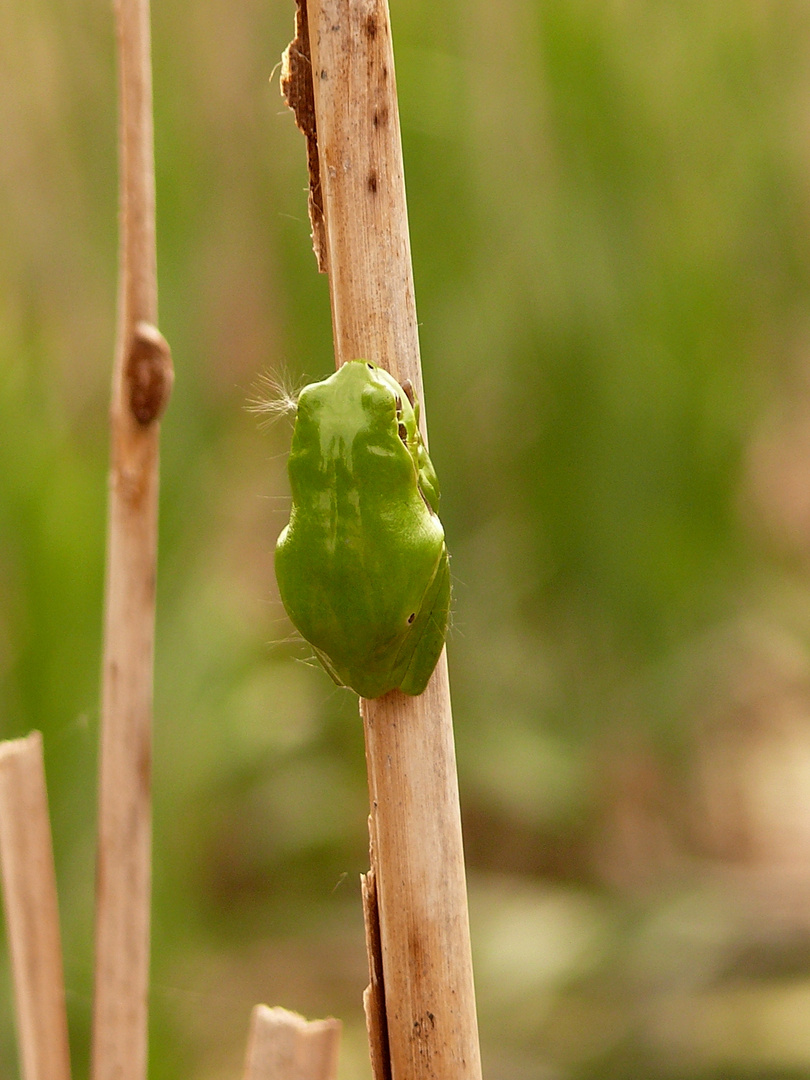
284, 1046
32, 914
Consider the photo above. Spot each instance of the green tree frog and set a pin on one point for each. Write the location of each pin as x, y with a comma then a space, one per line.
362, 566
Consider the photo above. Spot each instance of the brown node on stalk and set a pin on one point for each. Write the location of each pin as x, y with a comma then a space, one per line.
149, 373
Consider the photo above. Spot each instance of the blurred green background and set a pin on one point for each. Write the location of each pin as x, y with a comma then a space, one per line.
610, 214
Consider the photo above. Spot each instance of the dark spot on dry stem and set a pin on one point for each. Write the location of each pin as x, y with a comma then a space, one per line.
415, 949
372, 182
144, 766
371, 26
380, 117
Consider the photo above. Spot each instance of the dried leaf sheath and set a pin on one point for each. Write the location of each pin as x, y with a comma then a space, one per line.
296, 86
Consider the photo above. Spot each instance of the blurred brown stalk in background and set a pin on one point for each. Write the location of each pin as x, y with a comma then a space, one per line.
142, 382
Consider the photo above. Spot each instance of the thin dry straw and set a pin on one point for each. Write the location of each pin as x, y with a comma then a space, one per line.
32, 915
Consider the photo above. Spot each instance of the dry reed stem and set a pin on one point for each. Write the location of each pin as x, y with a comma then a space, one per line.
284, 1046
418, 863
142, 379
32, 914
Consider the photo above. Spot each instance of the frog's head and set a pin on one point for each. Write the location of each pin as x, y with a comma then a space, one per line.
361, 398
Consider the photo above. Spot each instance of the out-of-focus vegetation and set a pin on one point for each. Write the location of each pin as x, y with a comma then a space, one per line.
610, 213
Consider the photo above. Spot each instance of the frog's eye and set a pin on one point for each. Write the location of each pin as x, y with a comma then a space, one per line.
401, 429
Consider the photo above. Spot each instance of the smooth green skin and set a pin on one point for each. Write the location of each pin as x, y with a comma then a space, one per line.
362, 565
